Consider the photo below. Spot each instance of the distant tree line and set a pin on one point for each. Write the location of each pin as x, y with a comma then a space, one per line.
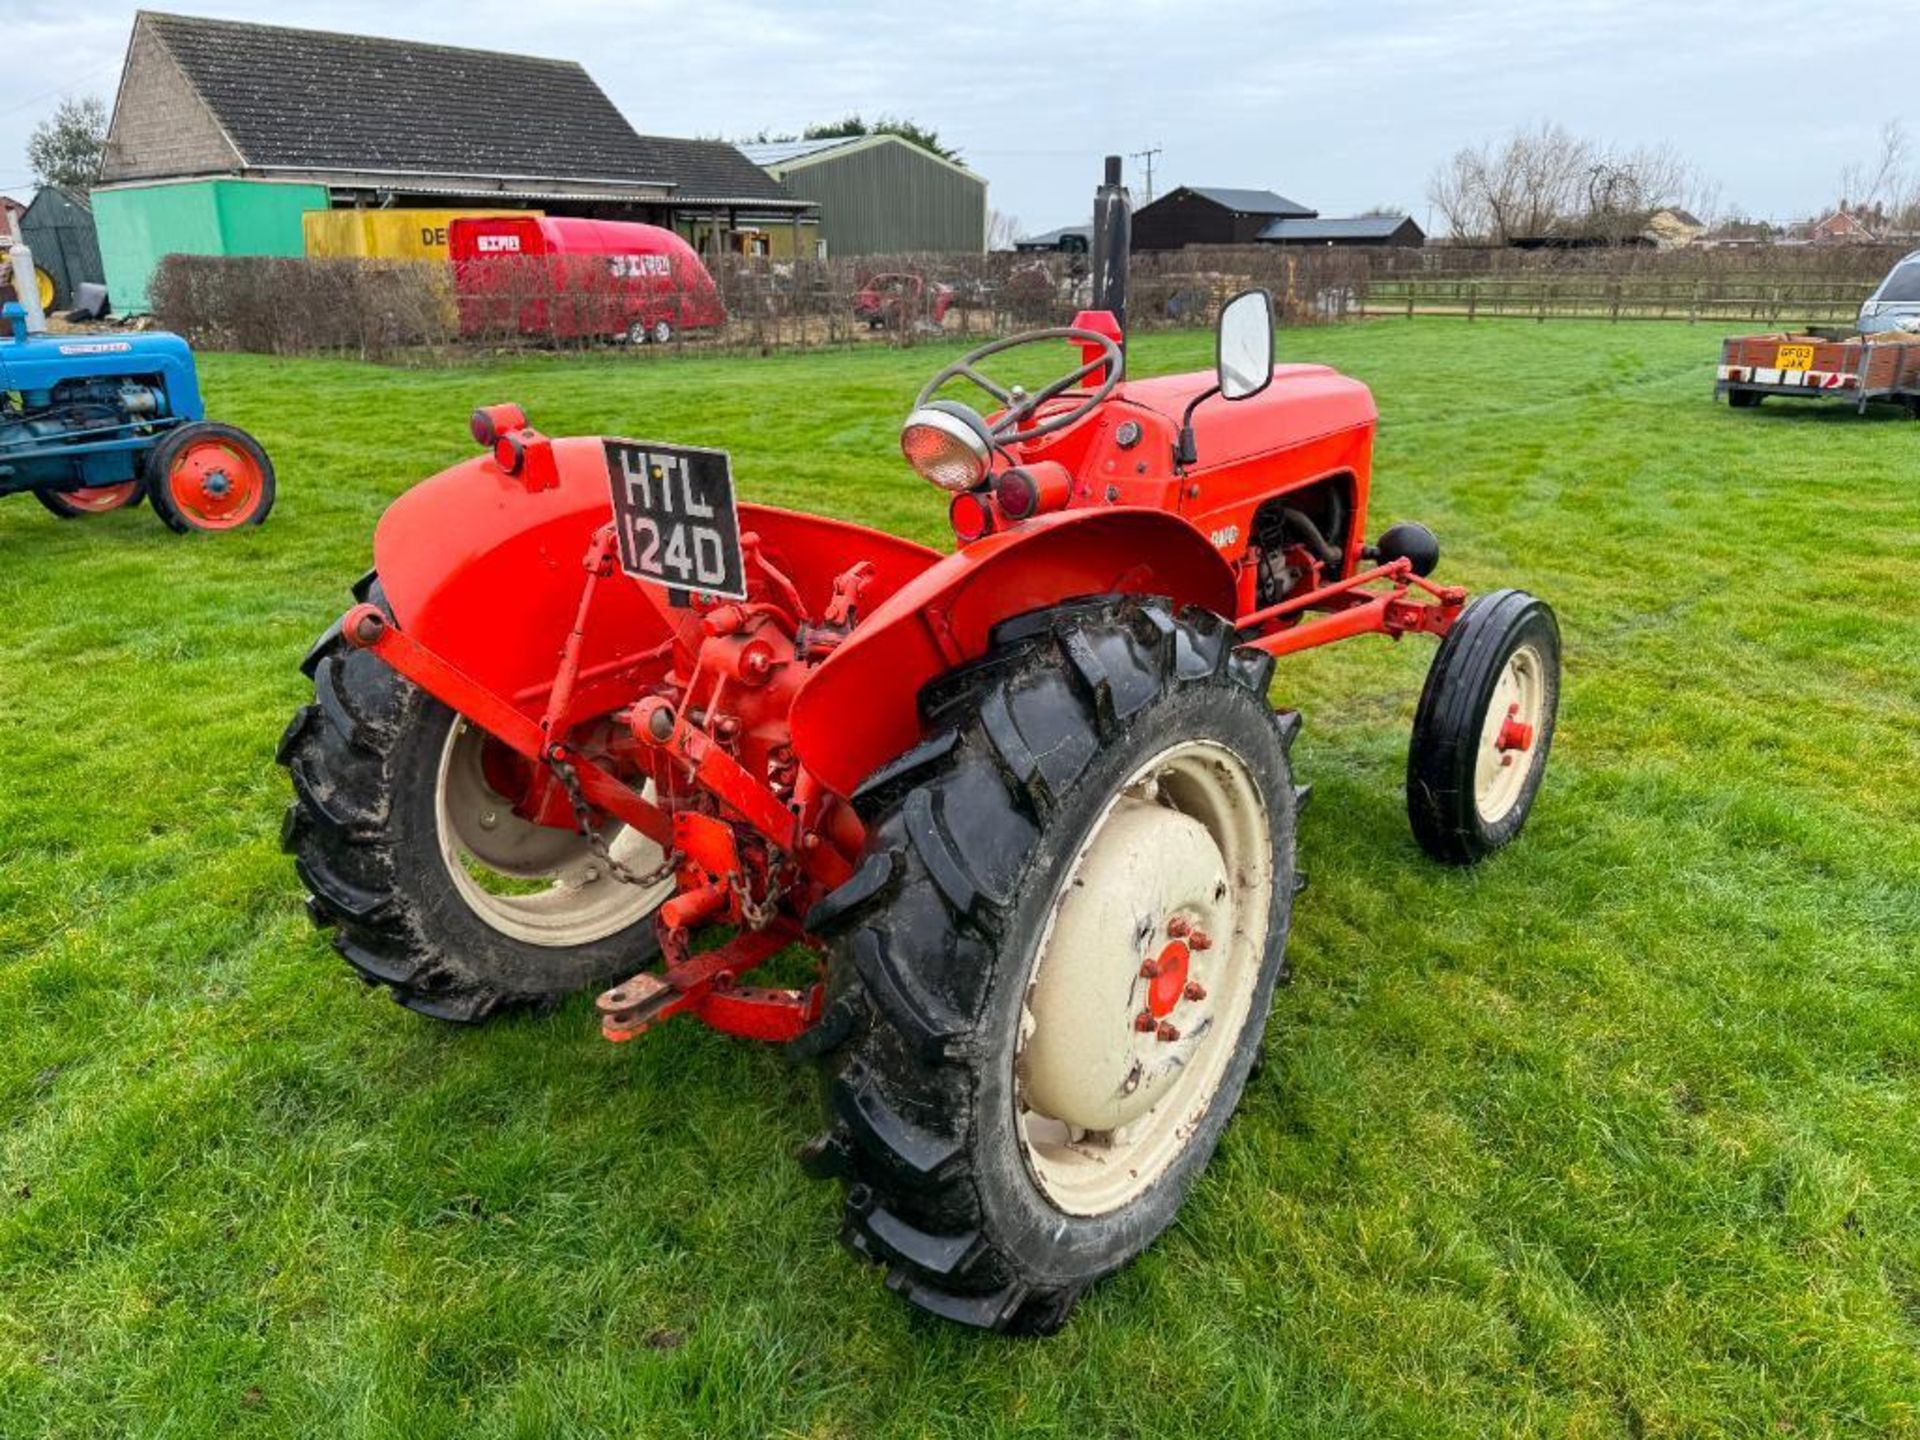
1546, 183
853, 125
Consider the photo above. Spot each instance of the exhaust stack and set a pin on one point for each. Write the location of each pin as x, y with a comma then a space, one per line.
1112, 244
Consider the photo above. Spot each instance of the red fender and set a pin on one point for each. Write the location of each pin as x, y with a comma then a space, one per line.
860, 709
486, 572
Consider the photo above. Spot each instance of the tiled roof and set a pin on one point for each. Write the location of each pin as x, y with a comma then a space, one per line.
314, 100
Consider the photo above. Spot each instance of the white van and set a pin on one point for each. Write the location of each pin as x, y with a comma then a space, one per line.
1896, 304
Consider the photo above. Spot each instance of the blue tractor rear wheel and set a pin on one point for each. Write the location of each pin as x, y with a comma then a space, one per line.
94, 500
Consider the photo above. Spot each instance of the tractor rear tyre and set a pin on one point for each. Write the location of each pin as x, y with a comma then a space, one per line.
1484, 727
206, 477
414, 858
1051, 974
94, 500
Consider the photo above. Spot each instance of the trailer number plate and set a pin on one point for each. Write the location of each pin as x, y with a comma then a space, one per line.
1793, 357
673, 507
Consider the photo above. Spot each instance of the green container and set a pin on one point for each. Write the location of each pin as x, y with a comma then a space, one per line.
138, 224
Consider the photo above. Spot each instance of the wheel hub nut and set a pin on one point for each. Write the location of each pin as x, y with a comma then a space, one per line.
1166, 1030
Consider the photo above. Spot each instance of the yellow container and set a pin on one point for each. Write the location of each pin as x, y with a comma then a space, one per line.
384, 234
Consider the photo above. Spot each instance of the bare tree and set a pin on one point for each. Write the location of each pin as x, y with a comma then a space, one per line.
1516, 188
1549, 182
1884, 189
1002, 230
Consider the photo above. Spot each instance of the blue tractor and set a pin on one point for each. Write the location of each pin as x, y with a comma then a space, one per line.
91, 423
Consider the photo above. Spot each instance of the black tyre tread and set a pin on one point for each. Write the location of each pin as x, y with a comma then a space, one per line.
1445, 724
1022, 725
337, 752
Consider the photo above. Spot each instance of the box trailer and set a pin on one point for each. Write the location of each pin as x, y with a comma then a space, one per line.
1811, 367
565, 278
397, 234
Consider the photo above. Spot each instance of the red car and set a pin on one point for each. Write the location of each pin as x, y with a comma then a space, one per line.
568, 278
894, 301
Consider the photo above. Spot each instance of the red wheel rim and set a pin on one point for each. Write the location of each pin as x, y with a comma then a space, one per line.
215, 485
98, 499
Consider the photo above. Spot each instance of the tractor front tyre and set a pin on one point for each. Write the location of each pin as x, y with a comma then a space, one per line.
93, 500
1483, 727
403, 830
205, 477
1051, 974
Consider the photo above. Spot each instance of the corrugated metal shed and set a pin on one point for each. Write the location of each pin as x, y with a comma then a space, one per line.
1070, 239
58, 227
1359, 230
880, 194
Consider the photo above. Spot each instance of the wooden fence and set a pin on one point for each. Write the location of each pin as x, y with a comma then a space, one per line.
1742, 299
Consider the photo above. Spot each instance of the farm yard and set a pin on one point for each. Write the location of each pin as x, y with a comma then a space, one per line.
1613, 1136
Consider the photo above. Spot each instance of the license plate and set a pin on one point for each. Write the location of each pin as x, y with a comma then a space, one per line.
673, 507
1793, 357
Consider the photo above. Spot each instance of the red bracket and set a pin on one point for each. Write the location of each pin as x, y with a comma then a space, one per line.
704, 984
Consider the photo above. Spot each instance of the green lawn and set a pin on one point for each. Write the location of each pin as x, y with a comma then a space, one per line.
1616, 1136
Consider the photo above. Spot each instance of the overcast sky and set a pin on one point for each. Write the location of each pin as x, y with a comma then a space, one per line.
1339, 104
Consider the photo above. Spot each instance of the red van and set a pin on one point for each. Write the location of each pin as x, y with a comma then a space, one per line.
566, 279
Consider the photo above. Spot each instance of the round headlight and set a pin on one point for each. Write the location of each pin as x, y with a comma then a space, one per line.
946, 448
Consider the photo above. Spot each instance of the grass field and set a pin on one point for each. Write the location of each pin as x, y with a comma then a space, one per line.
1615, 1136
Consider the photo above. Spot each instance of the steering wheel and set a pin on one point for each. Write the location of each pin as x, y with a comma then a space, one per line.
1017, 403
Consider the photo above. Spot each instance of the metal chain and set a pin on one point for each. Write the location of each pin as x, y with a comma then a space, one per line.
757, 914
583, 822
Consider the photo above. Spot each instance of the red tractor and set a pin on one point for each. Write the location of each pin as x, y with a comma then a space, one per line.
1021, 816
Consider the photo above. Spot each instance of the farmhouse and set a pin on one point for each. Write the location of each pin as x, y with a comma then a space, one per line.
881, 194
224, 134
1842, 227
1673, 228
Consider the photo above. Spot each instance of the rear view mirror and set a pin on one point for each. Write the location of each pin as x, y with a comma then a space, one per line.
1245, 362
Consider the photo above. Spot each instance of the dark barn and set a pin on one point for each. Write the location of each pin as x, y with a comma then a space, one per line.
1211, 215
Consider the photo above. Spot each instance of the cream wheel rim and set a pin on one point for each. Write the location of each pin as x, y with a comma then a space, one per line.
1508, 734
1143, 978
481, 839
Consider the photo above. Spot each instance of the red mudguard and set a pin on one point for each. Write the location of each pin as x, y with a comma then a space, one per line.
861, 707
486, 573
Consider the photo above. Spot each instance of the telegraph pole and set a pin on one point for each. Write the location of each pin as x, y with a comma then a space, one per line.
1147, 157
